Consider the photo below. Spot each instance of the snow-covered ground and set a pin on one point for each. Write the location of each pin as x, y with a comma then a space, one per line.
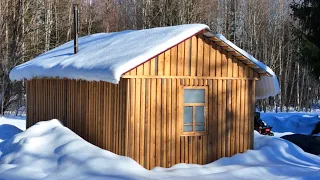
48, 150
18, 121
291, 123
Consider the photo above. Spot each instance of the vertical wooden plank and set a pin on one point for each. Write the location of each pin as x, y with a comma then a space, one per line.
187, 58
158, 122
137, 121
194, 149
142, 121
229, 64
238, 115
229, 117
175, 123
224, 63
200, 57
253, 95
128, 118
206, 59
220, 118
182, 159
250, 112
180, 64
240, 69
210, 123
132, 129
164, 122
153, 67
190, 149
194, 50
161, 60
224, 113
125, 115
102, 112
242, 110
93, 112
153, 126
119, 113
116, 117
169, 123
173, 61
167, 63
183, 68
213, 55
246, 116
39, 88
218, 61
146, 68
234, 116
147, 125
235, 68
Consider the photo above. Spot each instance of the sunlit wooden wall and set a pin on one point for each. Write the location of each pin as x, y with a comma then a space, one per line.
155, 105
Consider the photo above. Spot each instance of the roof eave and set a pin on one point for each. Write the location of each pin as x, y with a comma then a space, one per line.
242, 57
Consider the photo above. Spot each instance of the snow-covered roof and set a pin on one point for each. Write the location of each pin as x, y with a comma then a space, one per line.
107, 56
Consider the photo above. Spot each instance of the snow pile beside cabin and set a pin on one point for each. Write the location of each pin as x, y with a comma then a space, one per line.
49, 150
107, 56
291, 123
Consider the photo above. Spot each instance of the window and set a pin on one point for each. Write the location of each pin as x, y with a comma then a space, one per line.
194, 110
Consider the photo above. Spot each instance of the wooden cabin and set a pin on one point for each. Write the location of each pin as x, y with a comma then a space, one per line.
189, 100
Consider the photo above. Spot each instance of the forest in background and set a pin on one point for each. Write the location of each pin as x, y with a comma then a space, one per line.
268, 29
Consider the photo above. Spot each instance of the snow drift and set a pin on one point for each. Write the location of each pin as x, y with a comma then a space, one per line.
48, 150
298, 123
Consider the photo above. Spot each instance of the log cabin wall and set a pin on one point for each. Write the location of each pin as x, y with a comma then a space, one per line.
96, 111
154, 133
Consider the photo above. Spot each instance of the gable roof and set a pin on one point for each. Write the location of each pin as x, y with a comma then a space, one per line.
106, 56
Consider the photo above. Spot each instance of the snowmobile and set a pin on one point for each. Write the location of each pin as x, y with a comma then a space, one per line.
261, 126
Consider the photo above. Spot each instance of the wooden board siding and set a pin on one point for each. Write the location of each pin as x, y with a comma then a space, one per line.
197, 57
154, 88
229, 122
94, 110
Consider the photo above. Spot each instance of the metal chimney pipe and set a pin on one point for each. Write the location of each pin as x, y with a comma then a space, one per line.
75, 27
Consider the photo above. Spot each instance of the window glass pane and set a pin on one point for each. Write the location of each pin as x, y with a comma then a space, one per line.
194, 96
199, 114
187, 128
187, 115
200, 127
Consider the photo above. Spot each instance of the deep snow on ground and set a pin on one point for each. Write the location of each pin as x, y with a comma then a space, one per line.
18, 121
49, 150
291, 123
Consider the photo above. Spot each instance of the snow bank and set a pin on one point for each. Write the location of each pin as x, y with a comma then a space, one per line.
49, 150
288, 123
18, 121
